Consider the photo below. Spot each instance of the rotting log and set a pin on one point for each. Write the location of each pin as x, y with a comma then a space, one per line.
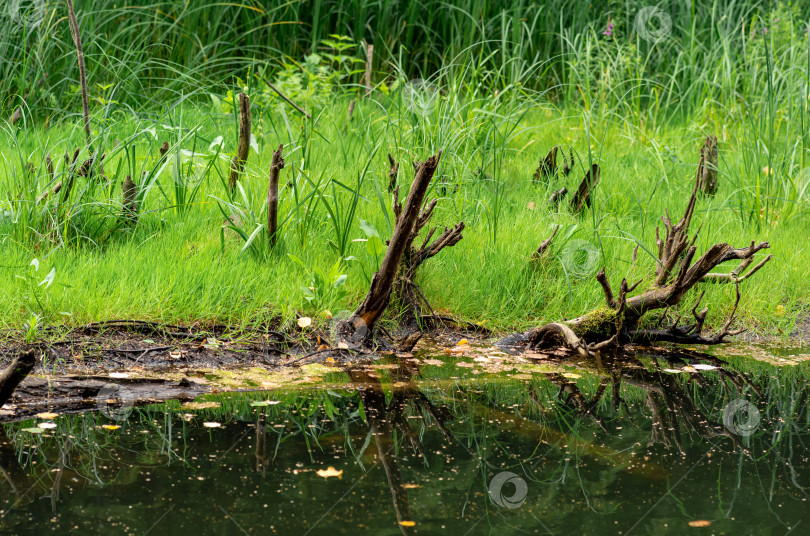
677, 273
360, 326
707, 169
243, 146
276, 165
15, 373
582, 197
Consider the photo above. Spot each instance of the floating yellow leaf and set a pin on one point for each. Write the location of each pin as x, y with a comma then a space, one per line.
212, 424
46, 416
329, 472
110, 426
700, 523
407, 523
304, 322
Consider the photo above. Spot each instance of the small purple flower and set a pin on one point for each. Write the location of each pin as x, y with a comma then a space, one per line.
609, 30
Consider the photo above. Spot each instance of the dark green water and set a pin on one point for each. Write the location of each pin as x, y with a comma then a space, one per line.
624, 448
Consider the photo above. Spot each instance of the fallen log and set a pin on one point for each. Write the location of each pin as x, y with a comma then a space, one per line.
15, 373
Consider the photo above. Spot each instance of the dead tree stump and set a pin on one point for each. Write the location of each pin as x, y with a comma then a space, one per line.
360, 326
582, 197
276, 166
243, 147
707, 169
676, 274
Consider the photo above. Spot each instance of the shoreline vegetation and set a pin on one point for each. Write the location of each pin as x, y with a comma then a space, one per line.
158, 210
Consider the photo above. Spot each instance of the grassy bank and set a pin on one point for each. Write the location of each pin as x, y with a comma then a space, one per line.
180, 265
639, 109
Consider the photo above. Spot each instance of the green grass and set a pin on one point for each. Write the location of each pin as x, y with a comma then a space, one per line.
639, 110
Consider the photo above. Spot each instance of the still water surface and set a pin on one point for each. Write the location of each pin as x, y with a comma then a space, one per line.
638, 445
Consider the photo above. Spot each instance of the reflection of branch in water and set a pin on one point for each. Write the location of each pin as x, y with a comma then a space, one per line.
373, 398
261, 443
22, 484
63, 450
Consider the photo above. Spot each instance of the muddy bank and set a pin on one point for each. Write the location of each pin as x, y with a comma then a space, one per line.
105, 367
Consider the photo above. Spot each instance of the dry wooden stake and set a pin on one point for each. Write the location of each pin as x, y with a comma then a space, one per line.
276, 166
243, 147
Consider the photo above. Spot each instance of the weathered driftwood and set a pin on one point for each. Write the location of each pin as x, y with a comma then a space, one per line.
15, 373
360, 326
548, 165
582, 197
707, 169
243, 146
276, 165
678, 272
